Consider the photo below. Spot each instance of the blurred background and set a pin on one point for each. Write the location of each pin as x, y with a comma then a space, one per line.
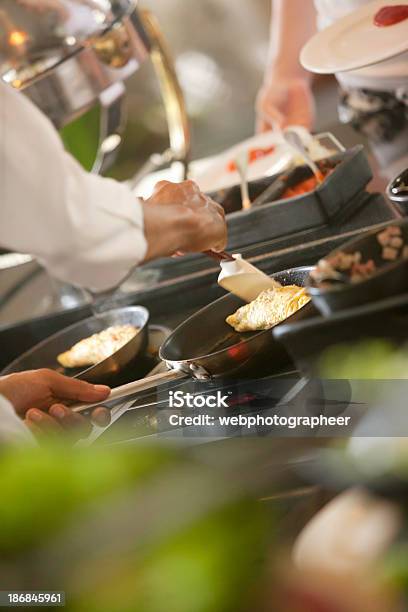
207, 529
220, 48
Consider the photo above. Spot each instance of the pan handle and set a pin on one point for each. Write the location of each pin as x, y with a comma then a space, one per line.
134, 387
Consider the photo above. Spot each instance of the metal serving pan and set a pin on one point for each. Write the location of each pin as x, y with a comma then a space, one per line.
44, 354
391, 278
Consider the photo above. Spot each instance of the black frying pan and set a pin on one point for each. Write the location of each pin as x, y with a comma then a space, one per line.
44, 354
206, 347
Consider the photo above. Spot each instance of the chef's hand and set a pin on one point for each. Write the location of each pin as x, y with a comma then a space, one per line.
60, 419
43, 388
178, 217
36, 395
281, 103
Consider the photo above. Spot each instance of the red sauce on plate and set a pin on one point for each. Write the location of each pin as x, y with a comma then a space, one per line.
390, 15
253, 155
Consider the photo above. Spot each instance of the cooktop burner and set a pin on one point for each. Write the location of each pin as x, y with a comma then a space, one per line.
195, 412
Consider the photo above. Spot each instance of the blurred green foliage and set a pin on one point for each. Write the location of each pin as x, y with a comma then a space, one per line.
208, 567
369, 359
55, 499
395, 566
41, 488
393, 570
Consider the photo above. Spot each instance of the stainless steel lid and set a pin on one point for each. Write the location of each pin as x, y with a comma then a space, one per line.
37, 35
69, 55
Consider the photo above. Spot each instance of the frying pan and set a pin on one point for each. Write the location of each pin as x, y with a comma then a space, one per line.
206, 347
44, 354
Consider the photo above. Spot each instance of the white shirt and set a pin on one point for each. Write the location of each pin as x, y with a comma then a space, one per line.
391, 75
12, 429
86, 230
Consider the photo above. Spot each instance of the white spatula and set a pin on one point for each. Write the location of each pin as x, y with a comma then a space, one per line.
241, 278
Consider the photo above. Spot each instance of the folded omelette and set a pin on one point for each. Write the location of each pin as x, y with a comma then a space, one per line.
270, 308
96, 348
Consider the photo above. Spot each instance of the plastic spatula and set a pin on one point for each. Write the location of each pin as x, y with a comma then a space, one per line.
243, 279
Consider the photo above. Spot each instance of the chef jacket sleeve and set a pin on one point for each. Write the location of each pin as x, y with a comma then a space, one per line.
12, 429
85, 229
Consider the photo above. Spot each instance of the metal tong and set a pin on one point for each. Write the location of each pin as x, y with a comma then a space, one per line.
295, 142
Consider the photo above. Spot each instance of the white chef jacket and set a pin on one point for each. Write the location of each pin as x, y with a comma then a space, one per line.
86, 230
12, 429
372, 77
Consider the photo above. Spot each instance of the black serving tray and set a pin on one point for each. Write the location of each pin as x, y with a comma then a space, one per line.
332, 203
231, 198
311, 334
390, 277
369, 209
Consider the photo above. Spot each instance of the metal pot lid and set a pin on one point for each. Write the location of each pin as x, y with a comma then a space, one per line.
36, 35
397, 190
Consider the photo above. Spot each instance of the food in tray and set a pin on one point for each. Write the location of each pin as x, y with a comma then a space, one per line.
307, 185
301, 188
253, 155
392, 243
342, 267
350, 268
391, 15
270, 308
96, 348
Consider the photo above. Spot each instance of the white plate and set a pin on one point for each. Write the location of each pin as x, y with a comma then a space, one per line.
214, 175
354, 42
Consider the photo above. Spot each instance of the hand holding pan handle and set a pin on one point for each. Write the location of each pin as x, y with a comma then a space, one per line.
134, 387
